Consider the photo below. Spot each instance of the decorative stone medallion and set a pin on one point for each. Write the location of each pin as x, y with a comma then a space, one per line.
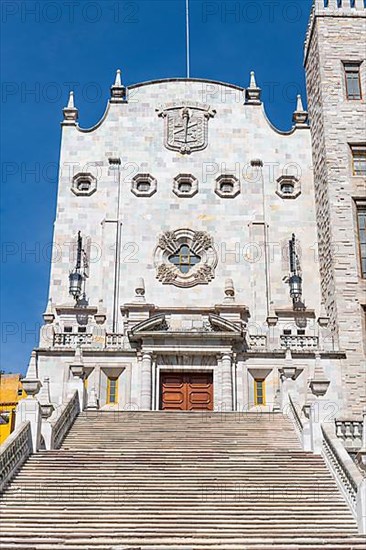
186, 126
185, 258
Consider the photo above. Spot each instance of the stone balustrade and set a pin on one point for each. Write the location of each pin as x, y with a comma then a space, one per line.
86, 339
299, 343
350, 433
65, 419
14, 452
72, 339
257, 341
114, 340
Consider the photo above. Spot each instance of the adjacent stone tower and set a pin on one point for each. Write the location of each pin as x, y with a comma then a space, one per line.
336, 84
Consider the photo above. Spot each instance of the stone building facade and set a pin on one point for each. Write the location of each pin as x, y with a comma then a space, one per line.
185, 224
334, 61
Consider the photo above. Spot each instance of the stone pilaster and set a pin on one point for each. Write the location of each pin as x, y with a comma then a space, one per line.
227, 382
146, 381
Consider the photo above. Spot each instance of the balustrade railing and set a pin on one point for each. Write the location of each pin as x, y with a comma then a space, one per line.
298, 342
72, 339
110, 340
65, 420
257, 341
14, 452
350, 433
114, 340
344, 470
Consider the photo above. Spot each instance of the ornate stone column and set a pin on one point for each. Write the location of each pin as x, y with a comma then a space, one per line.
146, 379
227, 382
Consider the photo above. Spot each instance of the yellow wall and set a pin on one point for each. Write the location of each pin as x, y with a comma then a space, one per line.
11, 392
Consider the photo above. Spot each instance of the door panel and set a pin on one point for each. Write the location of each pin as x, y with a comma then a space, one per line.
173, 392
187, 391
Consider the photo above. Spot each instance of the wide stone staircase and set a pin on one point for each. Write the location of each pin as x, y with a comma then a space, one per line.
177, 481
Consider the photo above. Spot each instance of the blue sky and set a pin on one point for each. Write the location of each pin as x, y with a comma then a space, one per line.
49, 47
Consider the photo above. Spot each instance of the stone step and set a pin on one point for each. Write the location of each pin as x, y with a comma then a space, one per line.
196, 543
177, 481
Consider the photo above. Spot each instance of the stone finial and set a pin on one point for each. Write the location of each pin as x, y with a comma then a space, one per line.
31, 384
32, 367
71, 114
92, 400
253, 93
309, 400
44, 398
323, 319
49, 315
229, 291
272, 318
78, 358
101, 316
77, 366
300, 116
288, 370
140, 290
319, 383
277, 401
118, 91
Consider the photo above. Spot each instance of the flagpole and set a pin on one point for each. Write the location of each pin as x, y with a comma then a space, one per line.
187, 38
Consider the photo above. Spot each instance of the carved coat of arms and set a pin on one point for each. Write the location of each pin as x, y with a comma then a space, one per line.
186, 126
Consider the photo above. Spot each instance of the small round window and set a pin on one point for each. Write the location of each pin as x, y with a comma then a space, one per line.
287, 188
185, 187
83, 184
143, 186
226, 187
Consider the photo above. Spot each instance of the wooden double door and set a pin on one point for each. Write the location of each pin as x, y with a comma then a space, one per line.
192, 391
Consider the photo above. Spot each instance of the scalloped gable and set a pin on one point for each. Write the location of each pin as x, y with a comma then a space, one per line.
161, 94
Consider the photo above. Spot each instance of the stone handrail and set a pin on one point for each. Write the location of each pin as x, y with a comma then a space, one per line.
342, 467
65, 420
350, 433
14, 452
296, 417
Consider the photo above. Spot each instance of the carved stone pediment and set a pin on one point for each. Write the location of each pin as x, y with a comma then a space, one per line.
223, 325
186, 326
155, 323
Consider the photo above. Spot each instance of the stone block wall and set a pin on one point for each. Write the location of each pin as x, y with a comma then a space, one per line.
338, 35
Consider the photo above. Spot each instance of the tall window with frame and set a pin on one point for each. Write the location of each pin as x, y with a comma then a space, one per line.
359, 160
361, 226
353, 81
259, 391
112, 390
